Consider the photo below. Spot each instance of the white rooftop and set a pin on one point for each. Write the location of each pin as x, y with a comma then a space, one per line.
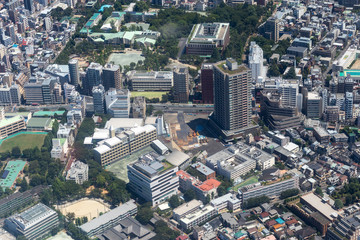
124, 123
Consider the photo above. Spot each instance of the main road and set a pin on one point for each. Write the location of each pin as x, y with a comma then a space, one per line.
186, 108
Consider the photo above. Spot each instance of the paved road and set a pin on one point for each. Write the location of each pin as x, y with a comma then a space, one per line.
186, 108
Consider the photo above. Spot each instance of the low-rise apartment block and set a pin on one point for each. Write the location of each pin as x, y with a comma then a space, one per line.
270, 189
116, 147
186, 208
152, 179
200, 216
109, 219
239, 159
228, 201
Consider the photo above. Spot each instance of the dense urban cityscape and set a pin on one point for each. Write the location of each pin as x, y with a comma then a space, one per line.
179, 120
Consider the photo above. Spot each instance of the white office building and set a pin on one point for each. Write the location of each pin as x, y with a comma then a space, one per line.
153, 180
34, 223
118, 103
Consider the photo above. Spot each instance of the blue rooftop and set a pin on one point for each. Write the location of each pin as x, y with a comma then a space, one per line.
280, 221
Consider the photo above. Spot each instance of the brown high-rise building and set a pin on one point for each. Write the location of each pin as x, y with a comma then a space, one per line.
111, 77
232, 97
207, 83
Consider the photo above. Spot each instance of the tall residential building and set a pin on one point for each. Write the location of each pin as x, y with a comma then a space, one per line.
33, 223
206, 37
181, 85
232, 109
272, 28
118, 103
313, 105
152, 179
349, 104
111, 77
256, 61
207, 83
29, 5
98, 93
289, 93
11, 31
74, 72
47, 24
93, 76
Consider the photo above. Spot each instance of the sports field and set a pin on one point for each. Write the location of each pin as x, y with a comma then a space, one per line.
149, 95
251, 180
89, 208
23, 141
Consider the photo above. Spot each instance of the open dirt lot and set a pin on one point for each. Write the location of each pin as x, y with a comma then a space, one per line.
89, 208
356, 65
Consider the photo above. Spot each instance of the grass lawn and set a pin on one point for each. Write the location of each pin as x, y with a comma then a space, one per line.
23, 141
251, 180
149, 95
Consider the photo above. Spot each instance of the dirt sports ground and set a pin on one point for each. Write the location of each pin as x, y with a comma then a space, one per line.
90, 208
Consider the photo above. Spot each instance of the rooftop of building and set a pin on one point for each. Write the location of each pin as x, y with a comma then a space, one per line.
47, 113
150, 165
320, 205
8, 121
209, 185
109, 216
39, 122
186, 207
32, 215
124, 123
222, 67
202, 168
201, 212
177, 158
11, 172
208, 32
225, 198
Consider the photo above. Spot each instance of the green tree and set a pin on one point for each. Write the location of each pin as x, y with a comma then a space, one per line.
289, 193
174, 201
16, 152
319, 191
141, 6
23, 185
291, 74
274, 70
189, 195
338, 204
144, 214
55, 127
163, 231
